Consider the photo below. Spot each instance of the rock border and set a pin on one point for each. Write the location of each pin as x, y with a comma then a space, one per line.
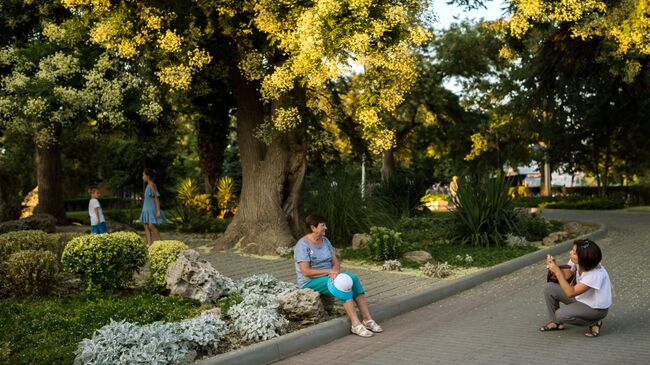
311, 337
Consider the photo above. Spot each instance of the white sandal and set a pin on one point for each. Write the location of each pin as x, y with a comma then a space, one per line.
373, 326
361, 330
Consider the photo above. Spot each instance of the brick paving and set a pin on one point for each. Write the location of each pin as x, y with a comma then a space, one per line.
496, 322
378, 284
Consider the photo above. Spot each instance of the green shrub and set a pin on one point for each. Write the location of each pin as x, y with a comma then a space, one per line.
163, 253
338, 199
226, 302
25, 240
46, 330
585, 203
385, 244
105, 261
41, 222
535, 227
30, 272
484, 212
61, 240
399, 196
12, 226
426, 229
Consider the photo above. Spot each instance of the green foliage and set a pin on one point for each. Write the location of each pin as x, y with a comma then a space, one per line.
233, 298
535, 227
187, 194
585, 203
12, 226
484, 212
399, 196
439, 270
482, 256
385, 244
339, 199
226, 194
41, 222
124, 343
29, 272
105, 261
47, 330
430, 198
163, 254
422, 230
25, 240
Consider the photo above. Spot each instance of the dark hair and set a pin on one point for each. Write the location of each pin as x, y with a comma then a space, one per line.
150, 172
588, 252
313, 220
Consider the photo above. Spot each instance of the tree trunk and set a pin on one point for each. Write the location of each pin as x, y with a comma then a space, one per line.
272, 178
608, 157
50, 180
212, 138
387, 164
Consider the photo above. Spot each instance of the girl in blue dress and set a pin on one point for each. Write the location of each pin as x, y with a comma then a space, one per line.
151, 212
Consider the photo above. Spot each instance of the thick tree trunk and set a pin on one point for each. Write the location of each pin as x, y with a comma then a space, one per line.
272, 177
387, 164
50, 181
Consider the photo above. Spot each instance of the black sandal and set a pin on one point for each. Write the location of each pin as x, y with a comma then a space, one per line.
558, 327
591, 332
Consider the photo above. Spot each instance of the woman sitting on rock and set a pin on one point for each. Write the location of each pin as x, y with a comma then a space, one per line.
318, 268
587, 301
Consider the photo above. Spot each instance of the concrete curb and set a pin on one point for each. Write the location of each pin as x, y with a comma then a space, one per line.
294, 343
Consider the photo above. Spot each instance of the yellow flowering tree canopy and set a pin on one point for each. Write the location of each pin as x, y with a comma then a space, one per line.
623, 25
285, 45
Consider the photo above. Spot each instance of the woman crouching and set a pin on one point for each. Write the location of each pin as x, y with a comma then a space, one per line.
318, 268
587, 301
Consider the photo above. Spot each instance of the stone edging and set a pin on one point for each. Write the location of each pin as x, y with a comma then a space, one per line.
311, 337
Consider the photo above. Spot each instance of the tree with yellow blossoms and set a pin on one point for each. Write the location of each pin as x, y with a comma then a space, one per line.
277, 57
621, 26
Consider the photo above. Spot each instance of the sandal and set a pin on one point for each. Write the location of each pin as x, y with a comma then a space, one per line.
373, 326
361, 330
558, 327
591, 332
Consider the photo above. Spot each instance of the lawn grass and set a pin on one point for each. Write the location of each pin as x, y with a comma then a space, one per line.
46, 330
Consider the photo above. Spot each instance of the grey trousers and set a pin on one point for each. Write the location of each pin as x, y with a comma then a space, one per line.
573, 312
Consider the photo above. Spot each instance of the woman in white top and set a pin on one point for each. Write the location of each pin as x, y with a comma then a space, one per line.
587, 301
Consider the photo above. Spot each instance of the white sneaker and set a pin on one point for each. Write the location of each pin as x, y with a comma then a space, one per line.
373, 326
361, 330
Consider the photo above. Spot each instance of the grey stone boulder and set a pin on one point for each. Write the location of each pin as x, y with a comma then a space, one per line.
192, 277
555, 238
421, 257
213, 312
360, 240
303, 306
575, 229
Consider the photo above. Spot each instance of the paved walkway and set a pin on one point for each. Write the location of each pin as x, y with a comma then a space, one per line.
496, 322
379, 285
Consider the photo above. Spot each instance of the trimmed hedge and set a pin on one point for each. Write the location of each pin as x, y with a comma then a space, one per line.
25, 240
30, 272
163, 253
105, 261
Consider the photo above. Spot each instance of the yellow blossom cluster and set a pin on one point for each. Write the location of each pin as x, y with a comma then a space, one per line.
626, 24
479, 145
285, 119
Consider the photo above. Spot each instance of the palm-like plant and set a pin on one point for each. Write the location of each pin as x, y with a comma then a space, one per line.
484, 211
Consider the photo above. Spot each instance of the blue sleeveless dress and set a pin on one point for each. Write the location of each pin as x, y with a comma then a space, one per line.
148, 215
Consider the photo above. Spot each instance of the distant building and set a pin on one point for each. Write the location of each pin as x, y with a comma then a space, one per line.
531, 177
